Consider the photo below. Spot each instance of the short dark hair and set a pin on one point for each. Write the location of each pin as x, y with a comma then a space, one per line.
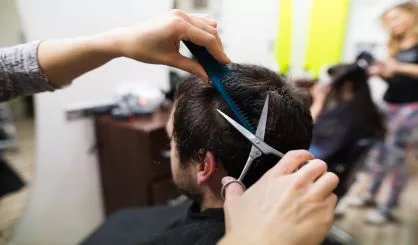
198, 128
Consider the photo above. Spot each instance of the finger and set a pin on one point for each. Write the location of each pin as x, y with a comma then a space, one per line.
331, 201
324, 186
206, 19
312, 170
205, 39
233, 190
291, 161
205, 24
186, 64
203, 17
208, 28
200, 21
331, 204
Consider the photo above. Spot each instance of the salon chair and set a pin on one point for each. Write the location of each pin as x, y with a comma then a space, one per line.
346, 171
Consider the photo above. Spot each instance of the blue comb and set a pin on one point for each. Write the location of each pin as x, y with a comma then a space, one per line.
217, 72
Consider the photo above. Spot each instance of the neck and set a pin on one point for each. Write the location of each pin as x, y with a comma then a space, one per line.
408, 40
210, 199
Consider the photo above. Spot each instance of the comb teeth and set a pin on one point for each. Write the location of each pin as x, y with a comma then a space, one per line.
219, 74
238, 113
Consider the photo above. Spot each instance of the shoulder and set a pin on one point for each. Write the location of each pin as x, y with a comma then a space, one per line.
203, 233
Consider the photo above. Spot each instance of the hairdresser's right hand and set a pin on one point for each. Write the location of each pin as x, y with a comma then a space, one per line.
284, 206
158, 41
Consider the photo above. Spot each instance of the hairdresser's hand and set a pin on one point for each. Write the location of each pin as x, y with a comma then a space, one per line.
158, 41
319, 92
283, 207
384, 69
375, 70
155, 42
389, 67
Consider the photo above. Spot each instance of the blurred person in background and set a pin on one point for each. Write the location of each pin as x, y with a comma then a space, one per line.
344, 114
400, 71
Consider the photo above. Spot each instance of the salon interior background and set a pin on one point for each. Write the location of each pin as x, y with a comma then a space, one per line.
64, 204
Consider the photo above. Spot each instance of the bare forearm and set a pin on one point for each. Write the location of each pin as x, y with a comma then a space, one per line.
63, 60
38, 67
316, 109
407, 69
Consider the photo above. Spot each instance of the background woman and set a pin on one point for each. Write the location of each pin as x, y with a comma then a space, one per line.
344, 114
401, 73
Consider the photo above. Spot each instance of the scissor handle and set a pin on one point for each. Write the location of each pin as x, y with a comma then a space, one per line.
223, 190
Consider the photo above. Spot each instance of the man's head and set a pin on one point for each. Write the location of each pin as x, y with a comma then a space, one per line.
204, 147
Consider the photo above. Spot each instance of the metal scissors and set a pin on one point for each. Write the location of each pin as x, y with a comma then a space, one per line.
259, 147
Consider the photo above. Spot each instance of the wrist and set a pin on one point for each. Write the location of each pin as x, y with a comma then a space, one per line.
398, 68
108, 43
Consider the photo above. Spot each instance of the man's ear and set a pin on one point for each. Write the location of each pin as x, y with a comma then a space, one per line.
206, 169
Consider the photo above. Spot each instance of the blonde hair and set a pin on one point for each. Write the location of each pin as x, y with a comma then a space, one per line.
394, 41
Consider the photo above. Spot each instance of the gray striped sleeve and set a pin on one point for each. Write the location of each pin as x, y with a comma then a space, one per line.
20, 73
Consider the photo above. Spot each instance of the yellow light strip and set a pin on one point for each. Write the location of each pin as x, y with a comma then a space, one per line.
283, 44
326, 36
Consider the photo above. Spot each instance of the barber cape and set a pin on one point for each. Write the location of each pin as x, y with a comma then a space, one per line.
182, 224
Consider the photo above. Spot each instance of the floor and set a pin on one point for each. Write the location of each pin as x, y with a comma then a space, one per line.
404, 232
21, 159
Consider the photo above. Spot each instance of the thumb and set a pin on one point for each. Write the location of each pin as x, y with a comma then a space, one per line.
187, 64
233, 190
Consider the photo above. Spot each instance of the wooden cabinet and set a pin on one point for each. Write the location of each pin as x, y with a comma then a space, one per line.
133, 161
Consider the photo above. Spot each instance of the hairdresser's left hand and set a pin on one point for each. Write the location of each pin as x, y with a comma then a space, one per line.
155, 42
158, 41
319, 92
385, 69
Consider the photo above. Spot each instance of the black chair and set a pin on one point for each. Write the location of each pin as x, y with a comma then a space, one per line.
346, 171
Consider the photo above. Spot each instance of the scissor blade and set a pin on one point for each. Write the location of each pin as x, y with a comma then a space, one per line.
256, 142
262, 122
247, 134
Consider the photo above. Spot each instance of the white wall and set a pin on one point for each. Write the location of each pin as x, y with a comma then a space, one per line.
301, 16
9, 23
249, 32
364, 26
65, 200
249, 29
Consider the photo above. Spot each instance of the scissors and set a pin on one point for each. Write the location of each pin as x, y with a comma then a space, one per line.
259, 147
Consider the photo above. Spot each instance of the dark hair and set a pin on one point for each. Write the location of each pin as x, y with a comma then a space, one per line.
367, 111
199, 128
